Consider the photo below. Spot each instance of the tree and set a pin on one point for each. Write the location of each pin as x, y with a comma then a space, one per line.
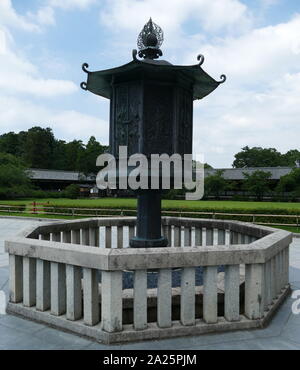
87, 159
257, 183
14, 177
38, 147
290, 182
72, 191
231, 185
257, 157
9, 143
290, 158
22, 137
215, 184
74, 155
59, 155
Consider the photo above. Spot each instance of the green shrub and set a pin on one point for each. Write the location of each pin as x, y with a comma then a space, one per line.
14, 179
72, 191
171, 194
257, 183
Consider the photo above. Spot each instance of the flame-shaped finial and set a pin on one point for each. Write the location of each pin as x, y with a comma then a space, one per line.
149, 40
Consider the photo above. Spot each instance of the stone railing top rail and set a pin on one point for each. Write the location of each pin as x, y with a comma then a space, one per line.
245, 228
113, 259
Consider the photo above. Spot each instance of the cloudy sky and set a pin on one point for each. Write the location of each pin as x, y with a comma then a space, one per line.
256, 43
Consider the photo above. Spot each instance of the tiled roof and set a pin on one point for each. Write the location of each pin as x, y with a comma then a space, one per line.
228, 174
57, 175
237, 173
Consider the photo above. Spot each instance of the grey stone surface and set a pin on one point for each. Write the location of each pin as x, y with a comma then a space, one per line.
43, 285
62, 339
210, 294
74, 296
254, 306
187, 296
18, 323
29, 281
140, 300
282, 333
129, 259
232, 293
164, 298
16, 278
90, 297
8, 228
112, 301
58, 288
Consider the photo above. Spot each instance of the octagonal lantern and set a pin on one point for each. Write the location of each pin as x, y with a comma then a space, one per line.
151, 112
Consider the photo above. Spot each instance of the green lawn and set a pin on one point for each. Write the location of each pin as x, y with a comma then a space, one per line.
179, 205
292, 229
197, 205
40, 215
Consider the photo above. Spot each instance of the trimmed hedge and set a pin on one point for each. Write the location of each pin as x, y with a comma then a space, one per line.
87, 206
226, 213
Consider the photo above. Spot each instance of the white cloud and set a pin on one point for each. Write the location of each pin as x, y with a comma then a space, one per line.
73, 124
171, 14
21, 83
18, 75
258, 105
8, 57
69, 4
3, 42
9, 17
268, 3
45, 16
21, 114
230, 119
24, 89
185, 23
258, 56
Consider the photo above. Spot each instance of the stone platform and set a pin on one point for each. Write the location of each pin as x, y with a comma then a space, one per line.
282, 333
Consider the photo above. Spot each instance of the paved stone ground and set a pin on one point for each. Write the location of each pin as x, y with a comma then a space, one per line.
17, 333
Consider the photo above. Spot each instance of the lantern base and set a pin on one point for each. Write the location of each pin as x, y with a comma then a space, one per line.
136, 242
148, 225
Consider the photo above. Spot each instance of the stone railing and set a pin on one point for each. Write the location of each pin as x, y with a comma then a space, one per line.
231, 275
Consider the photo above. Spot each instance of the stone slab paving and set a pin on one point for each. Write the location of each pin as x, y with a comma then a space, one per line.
17, 333
9, 227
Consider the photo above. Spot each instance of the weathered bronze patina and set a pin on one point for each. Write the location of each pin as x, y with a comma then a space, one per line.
151, 112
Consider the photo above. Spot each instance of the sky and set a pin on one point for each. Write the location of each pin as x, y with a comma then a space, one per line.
256, 43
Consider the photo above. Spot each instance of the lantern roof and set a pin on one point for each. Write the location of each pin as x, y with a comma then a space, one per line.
149, 42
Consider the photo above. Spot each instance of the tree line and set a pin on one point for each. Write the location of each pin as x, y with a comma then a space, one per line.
256, 184
265, 157
15, 182
38, 148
